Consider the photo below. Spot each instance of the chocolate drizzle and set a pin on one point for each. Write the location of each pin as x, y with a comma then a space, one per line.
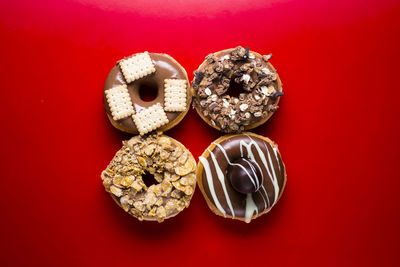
220, 192
245, 175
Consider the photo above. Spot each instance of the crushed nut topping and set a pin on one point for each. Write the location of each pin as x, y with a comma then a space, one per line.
253, 73
243, 107
172, 166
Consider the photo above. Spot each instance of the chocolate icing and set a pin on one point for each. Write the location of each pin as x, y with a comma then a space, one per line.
235, 147
219, 75
245, 176
166, 68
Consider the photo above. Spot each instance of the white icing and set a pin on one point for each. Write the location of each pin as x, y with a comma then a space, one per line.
268, 165
277, 158
253, 178
250, 208
264, 161
274, 180
211, 184
249, 200
221, 178
235, 164
266, 197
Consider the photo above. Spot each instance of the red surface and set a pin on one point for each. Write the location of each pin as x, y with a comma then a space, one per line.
337, 129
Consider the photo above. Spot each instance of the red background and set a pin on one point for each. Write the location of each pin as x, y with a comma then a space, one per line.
337, 129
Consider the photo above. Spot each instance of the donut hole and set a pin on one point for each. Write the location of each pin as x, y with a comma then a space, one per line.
235, 89
148, 91
148, 179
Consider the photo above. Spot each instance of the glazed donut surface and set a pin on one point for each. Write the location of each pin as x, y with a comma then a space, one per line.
236, 90
165, 68
213, 172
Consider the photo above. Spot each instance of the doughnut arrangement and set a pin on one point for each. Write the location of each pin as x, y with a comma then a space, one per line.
251, 74
241, 175
168, 161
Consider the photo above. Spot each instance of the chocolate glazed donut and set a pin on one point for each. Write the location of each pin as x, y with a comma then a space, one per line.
236, 89
165, 68
241, 176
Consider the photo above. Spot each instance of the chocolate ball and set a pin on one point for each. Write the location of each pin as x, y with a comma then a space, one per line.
245, 176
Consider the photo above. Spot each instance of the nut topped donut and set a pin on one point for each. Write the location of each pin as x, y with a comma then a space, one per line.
236, 89
168, 161
241, 176
128, 111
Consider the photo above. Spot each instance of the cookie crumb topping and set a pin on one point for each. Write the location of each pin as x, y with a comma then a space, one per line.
257, 80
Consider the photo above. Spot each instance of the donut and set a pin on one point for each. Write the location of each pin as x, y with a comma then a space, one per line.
168, 161
236, 89
241, 176
128, 111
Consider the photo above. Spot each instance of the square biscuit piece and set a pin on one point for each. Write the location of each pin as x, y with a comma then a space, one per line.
120, 102
136, 66
150, 119
175, 95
